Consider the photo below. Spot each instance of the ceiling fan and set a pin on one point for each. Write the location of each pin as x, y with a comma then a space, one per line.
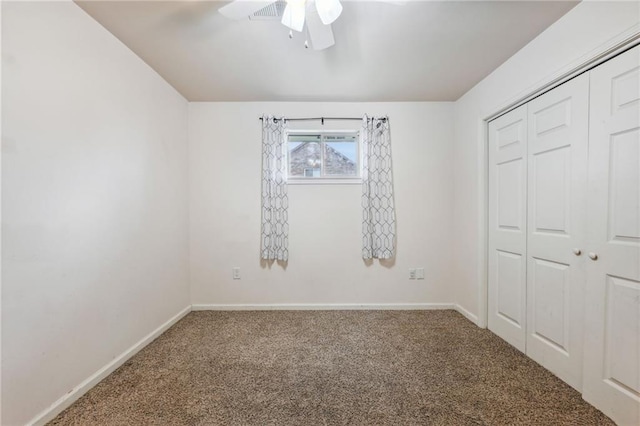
316, 16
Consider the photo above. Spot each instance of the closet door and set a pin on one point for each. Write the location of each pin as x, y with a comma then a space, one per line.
612, 320
508, 226
558, 124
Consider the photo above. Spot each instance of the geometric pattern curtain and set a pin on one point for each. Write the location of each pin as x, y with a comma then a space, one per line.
378, 211
275, 202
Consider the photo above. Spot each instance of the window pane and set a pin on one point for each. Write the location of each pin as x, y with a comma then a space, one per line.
341, 158
305, 158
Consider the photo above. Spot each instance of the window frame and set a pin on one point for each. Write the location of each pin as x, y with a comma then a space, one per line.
323, 178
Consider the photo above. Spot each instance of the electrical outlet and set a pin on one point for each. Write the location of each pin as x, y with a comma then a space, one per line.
412, 273
236, 273
420, 274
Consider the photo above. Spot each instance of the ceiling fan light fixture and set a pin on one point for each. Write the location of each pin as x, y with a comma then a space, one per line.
329, 10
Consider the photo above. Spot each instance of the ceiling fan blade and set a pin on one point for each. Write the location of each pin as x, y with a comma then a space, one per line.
294, 15
329, 10
321, 35
241, 9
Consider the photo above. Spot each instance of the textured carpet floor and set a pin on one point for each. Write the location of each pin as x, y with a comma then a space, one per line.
330, 368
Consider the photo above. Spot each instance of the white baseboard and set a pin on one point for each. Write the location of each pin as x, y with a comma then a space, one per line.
471, 317
321, 306
73, 395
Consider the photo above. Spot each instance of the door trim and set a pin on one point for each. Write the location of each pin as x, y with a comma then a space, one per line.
623, 42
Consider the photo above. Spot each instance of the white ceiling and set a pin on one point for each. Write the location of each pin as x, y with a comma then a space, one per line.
421, 51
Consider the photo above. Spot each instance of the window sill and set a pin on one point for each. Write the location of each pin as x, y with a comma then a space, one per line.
325, 181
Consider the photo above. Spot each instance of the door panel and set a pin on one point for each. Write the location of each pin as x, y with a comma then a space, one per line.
557, 178
625, 187
612, 323
622, 354
551, 190
507, 226
509, 271
509, 193
551, 285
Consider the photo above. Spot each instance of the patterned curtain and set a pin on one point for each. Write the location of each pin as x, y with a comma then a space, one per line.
275, 203
378, 211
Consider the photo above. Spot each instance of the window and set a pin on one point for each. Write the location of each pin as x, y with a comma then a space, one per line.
327, 157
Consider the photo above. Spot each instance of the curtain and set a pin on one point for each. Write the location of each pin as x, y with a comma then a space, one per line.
275, 203
378, 211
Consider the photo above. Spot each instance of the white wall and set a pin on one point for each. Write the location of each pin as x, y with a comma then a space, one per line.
94, 203
325, 264
577, 34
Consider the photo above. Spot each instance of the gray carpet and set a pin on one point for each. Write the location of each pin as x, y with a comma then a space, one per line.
330, 368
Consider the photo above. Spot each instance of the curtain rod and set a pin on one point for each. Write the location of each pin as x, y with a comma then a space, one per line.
322, 119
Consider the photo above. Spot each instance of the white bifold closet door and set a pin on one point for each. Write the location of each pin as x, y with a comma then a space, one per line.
612, 309
557, 146
508, 226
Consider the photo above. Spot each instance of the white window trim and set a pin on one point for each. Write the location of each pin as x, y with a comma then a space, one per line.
326, 180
